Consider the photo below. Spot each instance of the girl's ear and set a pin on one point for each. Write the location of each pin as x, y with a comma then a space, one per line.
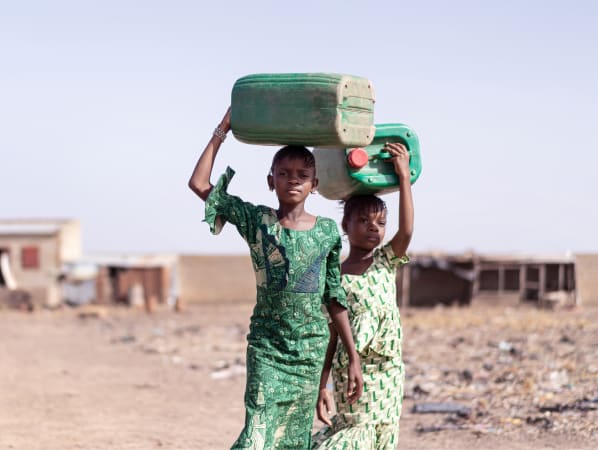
270, 181
314, 186
344, 225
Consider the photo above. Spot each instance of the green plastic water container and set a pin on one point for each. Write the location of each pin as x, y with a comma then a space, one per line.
344, 172
311, 109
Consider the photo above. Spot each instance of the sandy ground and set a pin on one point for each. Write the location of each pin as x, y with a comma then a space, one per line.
122, 379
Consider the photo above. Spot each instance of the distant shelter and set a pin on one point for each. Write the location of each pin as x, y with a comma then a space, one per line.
41, 263
429, 279
463, 279
32, 252
144, 280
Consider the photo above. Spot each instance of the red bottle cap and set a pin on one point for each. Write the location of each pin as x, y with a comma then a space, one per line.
357, 158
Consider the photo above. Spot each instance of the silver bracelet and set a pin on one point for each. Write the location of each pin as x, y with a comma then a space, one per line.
220, 133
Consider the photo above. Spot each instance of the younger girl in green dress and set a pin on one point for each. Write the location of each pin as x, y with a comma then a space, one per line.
295, 257
369, 281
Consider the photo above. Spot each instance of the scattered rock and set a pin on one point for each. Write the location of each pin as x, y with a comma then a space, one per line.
441, 408
16, 299
92, 312
524, 371
226, 370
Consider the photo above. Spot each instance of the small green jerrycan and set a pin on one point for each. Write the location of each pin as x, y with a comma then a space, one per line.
310, 109
344, 172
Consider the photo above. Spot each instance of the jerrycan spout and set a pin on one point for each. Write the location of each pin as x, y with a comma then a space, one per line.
357, 158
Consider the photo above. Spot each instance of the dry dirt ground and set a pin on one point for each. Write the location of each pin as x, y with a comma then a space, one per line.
119, 378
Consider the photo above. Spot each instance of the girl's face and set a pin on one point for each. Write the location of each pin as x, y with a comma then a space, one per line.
292, 180
365, 229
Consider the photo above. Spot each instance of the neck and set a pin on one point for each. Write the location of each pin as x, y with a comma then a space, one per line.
292, 213
360, 254
295, 218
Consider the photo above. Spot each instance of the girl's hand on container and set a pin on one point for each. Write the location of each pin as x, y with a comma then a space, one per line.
355, 384
323, 407
399, 158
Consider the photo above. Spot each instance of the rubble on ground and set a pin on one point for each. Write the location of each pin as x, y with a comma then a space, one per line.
518, 369
521, 371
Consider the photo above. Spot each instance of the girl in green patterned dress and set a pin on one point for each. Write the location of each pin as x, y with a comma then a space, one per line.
368, 278
295, 256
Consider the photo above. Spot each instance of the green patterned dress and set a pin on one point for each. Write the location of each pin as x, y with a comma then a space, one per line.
296, 273
373, 421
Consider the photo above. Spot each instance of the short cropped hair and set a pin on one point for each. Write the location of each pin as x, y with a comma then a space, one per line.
294, 152
366, 203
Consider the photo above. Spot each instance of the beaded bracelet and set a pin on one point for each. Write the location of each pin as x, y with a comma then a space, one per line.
220, 133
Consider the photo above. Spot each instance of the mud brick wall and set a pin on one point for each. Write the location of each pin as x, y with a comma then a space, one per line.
586, 279
205, 278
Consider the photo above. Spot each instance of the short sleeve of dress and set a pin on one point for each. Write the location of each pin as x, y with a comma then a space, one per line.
387, 257
221, 207
332, 287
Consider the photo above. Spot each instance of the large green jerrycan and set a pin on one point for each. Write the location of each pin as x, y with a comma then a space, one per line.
344, 172
310, 109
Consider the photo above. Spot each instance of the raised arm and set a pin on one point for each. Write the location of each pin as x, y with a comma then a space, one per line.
400, 159
200, 178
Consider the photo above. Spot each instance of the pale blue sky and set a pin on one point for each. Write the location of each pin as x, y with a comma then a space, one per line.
106, 105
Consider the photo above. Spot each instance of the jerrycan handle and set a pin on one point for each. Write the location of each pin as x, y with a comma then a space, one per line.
358, 158
382, 154
385, 155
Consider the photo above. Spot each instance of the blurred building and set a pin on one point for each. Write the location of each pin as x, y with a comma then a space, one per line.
428, 280
215, 278
135, 280
432, 279
586, 278
503, 279
32, 252
41, 262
